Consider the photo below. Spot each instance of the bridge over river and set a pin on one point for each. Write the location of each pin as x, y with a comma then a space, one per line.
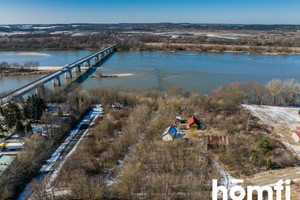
55, 76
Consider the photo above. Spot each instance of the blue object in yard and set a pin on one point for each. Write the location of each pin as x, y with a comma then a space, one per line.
172, 131
181, 135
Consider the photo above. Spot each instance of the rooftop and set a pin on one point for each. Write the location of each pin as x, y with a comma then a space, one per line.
5, 161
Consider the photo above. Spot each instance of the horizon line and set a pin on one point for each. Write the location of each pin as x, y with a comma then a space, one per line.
108, 23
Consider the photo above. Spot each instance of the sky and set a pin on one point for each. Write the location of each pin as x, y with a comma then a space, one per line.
150, 11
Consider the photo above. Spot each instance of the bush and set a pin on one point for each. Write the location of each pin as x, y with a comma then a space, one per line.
263, 144
269, 164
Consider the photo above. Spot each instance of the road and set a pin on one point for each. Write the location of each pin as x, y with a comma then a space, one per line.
53, 165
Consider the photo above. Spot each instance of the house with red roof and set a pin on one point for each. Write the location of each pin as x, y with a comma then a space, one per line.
194, 123
296, 135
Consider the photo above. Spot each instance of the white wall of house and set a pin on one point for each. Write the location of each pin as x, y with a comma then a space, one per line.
167, 137
295, 137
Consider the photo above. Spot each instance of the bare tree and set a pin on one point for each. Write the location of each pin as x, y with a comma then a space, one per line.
275, 87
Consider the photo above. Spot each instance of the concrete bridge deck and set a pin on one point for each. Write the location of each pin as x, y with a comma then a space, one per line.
27, 88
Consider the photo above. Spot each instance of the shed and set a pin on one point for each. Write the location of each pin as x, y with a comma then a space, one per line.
212, 140
194, 123
169, 133
296, 136
14, 146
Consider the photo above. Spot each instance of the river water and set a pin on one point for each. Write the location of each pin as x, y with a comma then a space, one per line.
192, 70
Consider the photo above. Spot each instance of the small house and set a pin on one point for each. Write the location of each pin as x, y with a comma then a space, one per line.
296, 136
171, 134
212, 140
194, 123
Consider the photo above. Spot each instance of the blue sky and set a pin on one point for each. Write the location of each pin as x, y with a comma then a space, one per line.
138, 11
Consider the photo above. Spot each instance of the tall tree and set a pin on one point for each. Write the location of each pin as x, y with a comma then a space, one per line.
28, 129
11, 114
20, 129
275, 87
34, 107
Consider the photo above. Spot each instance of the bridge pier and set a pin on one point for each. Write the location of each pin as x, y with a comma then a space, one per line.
70, 74
78, 69
58, 81
96, 60
87, 63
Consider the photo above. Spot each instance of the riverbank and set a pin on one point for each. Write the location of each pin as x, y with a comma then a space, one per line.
110, 75
266, 50
37, 71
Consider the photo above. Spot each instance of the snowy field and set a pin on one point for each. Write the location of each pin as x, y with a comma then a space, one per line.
276, 116
279, 117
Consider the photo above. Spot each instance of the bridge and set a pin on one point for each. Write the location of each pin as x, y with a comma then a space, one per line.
55, 76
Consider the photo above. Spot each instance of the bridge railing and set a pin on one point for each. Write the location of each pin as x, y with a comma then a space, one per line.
71, 66
92, 55
21, 88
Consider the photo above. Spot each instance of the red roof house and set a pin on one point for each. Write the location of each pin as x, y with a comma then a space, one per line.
194, 123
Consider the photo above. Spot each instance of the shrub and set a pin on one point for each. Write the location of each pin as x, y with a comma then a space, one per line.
269, 164
263, 144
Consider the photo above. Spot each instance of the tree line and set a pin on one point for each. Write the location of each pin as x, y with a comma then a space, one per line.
275, 92
14, 116
28, 66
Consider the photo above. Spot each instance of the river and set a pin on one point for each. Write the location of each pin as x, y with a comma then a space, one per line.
192, 70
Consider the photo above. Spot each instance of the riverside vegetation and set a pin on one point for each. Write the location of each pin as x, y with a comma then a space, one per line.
123, 156
278, 39
14, 69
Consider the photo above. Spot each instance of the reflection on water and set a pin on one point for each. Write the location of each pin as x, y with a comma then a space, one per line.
192, 70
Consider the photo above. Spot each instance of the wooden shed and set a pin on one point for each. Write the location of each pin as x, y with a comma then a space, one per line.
219, 140
194, 123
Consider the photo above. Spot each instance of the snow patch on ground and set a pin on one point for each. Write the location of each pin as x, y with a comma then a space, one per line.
96, 111
276, 116
295, 148
226, 179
